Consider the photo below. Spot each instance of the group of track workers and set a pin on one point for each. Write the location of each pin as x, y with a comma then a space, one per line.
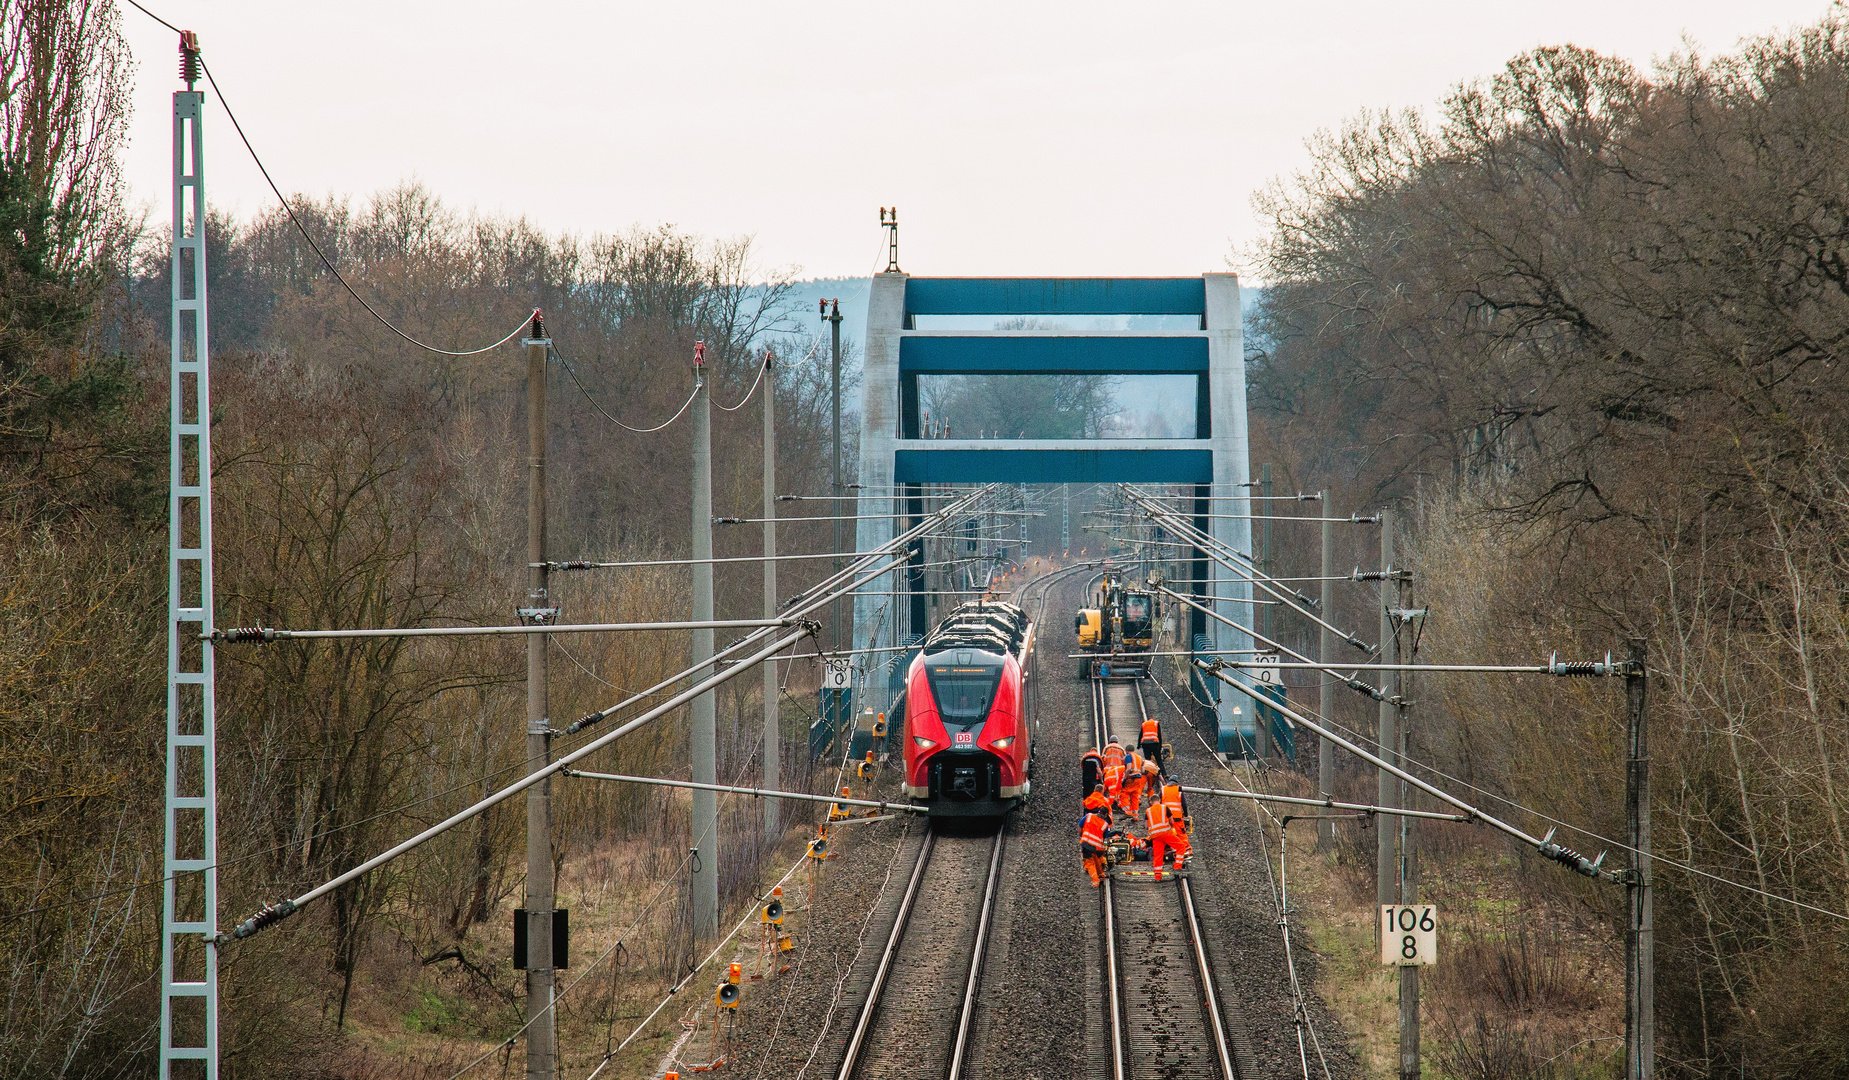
1117, 780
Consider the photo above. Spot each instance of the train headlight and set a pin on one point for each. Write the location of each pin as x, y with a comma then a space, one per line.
1003, 744
922, 742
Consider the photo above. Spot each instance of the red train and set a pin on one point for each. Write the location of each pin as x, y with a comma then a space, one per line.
968, 732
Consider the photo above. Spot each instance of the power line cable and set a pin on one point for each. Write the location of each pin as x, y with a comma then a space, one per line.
763, 366
1529, 810
1652, 856
607, 415
316, 248
155, 17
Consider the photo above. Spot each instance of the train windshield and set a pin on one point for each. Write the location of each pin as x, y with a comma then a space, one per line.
963, 691
1136, 607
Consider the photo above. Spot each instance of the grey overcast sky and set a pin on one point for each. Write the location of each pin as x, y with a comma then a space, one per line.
1015, 138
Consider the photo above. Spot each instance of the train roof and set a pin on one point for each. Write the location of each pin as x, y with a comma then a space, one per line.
991, 625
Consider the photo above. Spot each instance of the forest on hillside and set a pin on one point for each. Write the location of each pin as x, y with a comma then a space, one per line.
359, 481
1587, 324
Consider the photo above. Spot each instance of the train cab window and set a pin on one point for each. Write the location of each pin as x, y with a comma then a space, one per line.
963, 692
1136, 607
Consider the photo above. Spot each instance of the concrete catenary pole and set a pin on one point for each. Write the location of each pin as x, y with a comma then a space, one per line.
1267, 625
834, 387
773, 736
541, 1037
1640, 934
1065, 519
1325, 699
1409, 865
703, 727
1386, 883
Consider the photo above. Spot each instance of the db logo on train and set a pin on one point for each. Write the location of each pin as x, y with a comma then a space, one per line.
1408, 935
965, 738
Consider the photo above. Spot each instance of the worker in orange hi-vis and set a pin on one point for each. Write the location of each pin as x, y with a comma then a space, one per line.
1130, 788
1094, 828
1162, 837
1113, 780
1177, 802
1152, 780
1096, 801
1149, 740
1091, 770
1113, 755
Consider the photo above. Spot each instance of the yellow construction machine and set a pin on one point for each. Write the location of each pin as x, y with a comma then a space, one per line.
1118, 630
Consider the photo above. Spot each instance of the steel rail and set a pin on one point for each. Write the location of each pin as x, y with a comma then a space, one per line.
1208, 989
1112, 979
1113, 993
1210, 1000
850, 1058
967, 1015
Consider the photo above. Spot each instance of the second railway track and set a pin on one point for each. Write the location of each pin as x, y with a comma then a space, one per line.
1161, 1002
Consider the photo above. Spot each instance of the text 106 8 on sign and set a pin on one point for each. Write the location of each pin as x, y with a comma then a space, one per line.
1408, 934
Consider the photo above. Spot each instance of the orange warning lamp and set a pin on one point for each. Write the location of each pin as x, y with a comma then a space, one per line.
733, 973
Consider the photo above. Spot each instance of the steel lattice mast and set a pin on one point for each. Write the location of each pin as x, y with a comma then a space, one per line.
189, 889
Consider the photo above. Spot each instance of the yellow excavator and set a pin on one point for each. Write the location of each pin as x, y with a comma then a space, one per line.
1117, 631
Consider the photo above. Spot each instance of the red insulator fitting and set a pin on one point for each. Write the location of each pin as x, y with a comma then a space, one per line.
189, 57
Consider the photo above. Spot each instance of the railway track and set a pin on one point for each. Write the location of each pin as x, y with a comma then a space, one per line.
1162, 1004
910, 1028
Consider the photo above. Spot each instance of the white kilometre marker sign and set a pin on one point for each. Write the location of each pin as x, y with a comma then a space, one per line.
1408, 935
